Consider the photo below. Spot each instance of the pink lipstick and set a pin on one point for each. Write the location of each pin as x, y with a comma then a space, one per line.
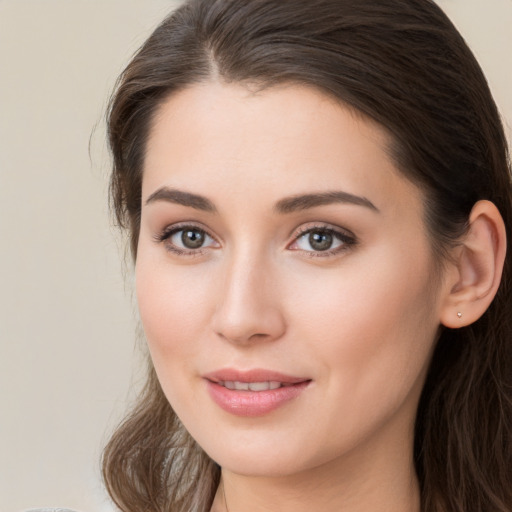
254, 392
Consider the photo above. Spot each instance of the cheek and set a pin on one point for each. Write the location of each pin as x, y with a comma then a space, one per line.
173, 306
372, 327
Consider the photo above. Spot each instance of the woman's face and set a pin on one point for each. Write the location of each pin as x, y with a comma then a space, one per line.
284, 279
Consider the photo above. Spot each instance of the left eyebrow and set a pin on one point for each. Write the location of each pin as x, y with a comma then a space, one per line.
306, 201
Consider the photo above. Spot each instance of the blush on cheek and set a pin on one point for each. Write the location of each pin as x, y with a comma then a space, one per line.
170, 311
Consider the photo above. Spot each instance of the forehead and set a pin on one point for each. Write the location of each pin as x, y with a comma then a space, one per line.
226, 139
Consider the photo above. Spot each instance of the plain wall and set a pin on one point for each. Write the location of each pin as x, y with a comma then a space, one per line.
67, 329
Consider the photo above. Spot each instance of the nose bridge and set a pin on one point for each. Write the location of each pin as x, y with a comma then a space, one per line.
248, 307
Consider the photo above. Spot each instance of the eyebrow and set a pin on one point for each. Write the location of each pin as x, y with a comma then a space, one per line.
306, 201
172, 195
283, 206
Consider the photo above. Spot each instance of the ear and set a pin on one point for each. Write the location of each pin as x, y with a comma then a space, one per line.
476, 273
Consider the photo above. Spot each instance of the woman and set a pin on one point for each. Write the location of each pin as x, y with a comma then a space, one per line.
318, 201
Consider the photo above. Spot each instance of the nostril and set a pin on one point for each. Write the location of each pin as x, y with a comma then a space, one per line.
238, 337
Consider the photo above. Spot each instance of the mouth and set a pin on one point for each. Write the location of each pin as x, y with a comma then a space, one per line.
252, 386
255, 392
229, 377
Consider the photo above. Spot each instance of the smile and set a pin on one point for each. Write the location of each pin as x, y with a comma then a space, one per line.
252, 386
253, 393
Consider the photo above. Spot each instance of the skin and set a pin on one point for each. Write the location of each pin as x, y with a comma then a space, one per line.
360, 321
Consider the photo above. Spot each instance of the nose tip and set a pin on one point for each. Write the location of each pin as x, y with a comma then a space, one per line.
249, 309
241, 322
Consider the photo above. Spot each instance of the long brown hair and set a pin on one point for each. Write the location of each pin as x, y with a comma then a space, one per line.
404, 65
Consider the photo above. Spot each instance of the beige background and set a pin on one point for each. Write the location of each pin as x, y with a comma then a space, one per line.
67, 342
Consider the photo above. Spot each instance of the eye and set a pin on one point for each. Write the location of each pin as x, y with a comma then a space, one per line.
186, 239
322, 241
189, 238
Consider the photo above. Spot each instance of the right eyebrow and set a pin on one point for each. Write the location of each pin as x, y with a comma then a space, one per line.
172, 195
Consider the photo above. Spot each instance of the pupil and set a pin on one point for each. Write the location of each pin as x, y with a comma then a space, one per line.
320, 241
192, 239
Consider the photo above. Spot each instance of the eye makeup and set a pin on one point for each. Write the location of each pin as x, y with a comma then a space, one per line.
318, 240
186, 239
323, 240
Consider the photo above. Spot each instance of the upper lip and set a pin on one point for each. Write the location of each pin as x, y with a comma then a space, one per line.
255, 375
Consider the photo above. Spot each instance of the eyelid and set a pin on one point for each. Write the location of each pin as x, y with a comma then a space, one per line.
346, 236
168, 231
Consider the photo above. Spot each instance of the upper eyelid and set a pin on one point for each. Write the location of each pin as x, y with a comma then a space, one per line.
305, 228
179, 226
348, 242
297, 232
163, 237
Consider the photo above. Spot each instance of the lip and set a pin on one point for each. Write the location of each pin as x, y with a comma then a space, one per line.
253, 403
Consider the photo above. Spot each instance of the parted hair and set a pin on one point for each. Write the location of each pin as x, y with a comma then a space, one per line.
404, 65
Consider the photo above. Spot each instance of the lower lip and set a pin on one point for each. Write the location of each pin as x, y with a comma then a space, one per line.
253, 403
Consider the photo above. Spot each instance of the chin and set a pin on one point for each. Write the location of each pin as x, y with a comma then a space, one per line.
270, 457
269, 466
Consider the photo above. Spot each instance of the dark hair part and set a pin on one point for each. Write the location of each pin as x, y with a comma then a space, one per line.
404, 65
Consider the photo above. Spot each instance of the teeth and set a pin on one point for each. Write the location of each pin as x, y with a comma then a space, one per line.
259, 386
252, 386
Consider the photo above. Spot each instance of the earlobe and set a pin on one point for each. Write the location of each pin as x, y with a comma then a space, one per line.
476, 274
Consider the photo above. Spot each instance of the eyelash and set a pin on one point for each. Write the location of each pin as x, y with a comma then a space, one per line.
170, 231
347, 240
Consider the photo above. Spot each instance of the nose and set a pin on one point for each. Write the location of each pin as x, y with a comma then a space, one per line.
249, 307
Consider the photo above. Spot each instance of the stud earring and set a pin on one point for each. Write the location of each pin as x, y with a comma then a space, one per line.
459, 314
